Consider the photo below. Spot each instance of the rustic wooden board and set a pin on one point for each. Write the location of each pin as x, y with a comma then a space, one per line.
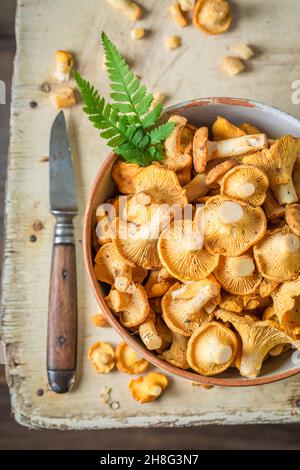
189, 72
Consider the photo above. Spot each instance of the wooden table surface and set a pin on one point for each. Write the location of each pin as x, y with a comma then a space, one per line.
188, 72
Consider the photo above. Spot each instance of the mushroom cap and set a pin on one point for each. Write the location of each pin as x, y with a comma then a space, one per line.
178, 145
267, 287
277, 255
200, 149
123, 175
136, 212
238, 275
223, 129
277, 161
176, 355
211, 348
177, 316
182, 253
292, 217
249, 128
102, 357
138, 308
161, 185
212, 16
246, 183
284, 296
216, 174
154, 287
128, 361
233, 303
231, 227
258, 338
108, 264
148, 387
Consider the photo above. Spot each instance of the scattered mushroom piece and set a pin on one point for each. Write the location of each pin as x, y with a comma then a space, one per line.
64, 65
232, 66
277, 255
176, 355
205, 150
123, 175
149, 387
231, 226
182, 252
178, 15
102, 357
164, 333
100, 320
129, 8
182, 306
238, 275
211, 349
249, 128
223, 129
278, 162
284, 297
154, 287
258, 338
178, 145
138, 33
215, 175
247, 183
292, 217
134, 306
173, 42
212, 16
111, 269
196, 188
271, 208
128, 361
243, 50
64, 98
267, 287
149, 334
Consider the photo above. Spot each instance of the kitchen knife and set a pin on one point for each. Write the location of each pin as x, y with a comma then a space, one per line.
62, 315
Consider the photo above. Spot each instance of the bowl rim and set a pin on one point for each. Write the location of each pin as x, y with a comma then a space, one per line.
112, 319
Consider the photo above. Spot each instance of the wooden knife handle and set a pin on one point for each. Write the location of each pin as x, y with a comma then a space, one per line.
62, 319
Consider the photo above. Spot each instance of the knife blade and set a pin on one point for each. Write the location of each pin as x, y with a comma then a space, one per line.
62, 313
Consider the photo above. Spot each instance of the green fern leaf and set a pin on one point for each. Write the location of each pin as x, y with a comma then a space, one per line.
161, 132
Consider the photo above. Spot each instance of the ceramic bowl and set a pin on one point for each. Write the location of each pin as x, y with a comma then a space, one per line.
199, 112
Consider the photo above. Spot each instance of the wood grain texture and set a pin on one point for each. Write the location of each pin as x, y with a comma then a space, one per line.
188, 72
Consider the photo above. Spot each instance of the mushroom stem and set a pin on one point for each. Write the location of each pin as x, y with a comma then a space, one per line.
230, 212
285, 193
143, 199
247, 189
206, 293
149, 335
243, 266
117, 301
236, 146
159, 221
123, 278
217, 352
196, 188
251, 363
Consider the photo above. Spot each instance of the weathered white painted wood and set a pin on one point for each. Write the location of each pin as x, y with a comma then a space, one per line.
190, 72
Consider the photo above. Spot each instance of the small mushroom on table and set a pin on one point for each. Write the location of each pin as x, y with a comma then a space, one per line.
149, 387
211, 348
128, 361
102, 357
205, 150
277, 255
212, 16
231, 227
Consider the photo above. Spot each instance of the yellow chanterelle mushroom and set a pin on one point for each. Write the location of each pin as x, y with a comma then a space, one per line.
212, 16
211, 348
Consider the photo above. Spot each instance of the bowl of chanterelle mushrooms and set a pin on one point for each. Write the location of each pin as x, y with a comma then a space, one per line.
195, 260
